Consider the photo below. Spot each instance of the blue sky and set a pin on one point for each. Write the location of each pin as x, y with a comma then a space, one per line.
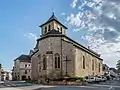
18, 18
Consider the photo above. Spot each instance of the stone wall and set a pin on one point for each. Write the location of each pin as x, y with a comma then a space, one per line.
54, 44
88, 64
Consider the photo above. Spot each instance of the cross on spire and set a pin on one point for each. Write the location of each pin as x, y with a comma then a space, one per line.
52, 11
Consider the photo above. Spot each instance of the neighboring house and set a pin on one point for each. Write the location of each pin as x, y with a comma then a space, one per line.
105, 69
22, 68
113, 72
6, 76
57, 55
2, 74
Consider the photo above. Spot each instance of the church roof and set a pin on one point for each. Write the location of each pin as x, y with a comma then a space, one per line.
24, 58
72, 42
53, 17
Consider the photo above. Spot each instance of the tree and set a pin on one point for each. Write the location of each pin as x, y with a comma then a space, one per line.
118, 66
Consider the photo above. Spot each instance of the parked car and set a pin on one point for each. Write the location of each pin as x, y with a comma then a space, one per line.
104, 79
98, 79
90, 79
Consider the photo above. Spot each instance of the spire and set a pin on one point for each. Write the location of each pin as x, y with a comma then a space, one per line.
53, 17
53, 13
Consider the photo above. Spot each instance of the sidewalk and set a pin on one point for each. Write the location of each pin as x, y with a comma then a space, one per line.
26, 87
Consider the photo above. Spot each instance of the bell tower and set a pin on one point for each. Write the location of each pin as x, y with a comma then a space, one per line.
52, 24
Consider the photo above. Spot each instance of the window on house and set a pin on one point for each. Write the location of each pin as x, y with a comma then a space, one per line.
57, 60
49, 27
99, 67
45, 29
25, 71
92, 64
61, 29
58, 29
83, 62
25, 65
29, 64
44, 63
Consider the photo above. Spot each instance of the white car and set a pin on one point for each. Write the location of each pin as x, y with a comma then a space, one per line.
104, 79
98, 78
90, 79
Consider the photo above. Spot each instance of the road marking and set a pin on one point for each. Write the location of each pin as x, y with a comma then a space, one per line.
105, 85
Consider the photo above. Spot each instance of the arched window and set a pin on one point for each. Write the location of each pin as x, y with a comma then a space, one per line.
83, 62
44, 63
92, 64
49, 27
99, 67
57, 60
45, 29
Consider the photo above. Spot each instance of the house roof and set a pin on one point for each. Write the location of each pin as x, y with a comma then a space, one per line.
53, 17
24, 58
73, 42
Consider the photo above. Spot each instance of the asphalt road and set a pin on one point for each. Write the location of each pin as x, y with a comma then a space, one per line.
109, 85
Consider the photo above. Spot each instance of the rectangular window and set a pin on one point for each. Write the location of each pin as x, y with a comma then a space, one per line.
99, 67
39, 68
25, 65
58, 62
55, 62
84, 62
61, 29
58, 29
44, 63
92, 64
25, 71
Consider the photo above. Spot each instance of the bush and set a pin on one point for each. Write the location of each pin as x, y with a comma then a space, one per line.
77, 78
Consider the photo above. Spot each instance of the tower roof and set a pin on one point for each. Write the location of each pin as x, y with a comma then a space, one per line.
53, 17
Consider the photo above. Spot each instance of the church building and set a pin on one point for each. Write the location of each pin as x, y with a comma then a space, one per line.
57, 55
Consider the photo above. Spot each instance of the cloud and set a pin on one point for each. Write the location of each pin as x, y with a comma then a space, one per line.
101, 20
73, 5
32, 37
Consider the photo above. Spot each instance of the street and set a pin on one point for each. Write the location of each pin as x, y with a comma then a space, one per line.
109, 85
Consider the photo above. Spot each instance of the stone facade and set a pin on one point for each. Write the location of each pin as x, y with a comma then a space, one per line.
75, 59
34, 63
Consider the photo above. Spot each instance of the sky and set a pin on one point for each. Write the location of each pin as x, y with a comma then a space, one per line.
93, 23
